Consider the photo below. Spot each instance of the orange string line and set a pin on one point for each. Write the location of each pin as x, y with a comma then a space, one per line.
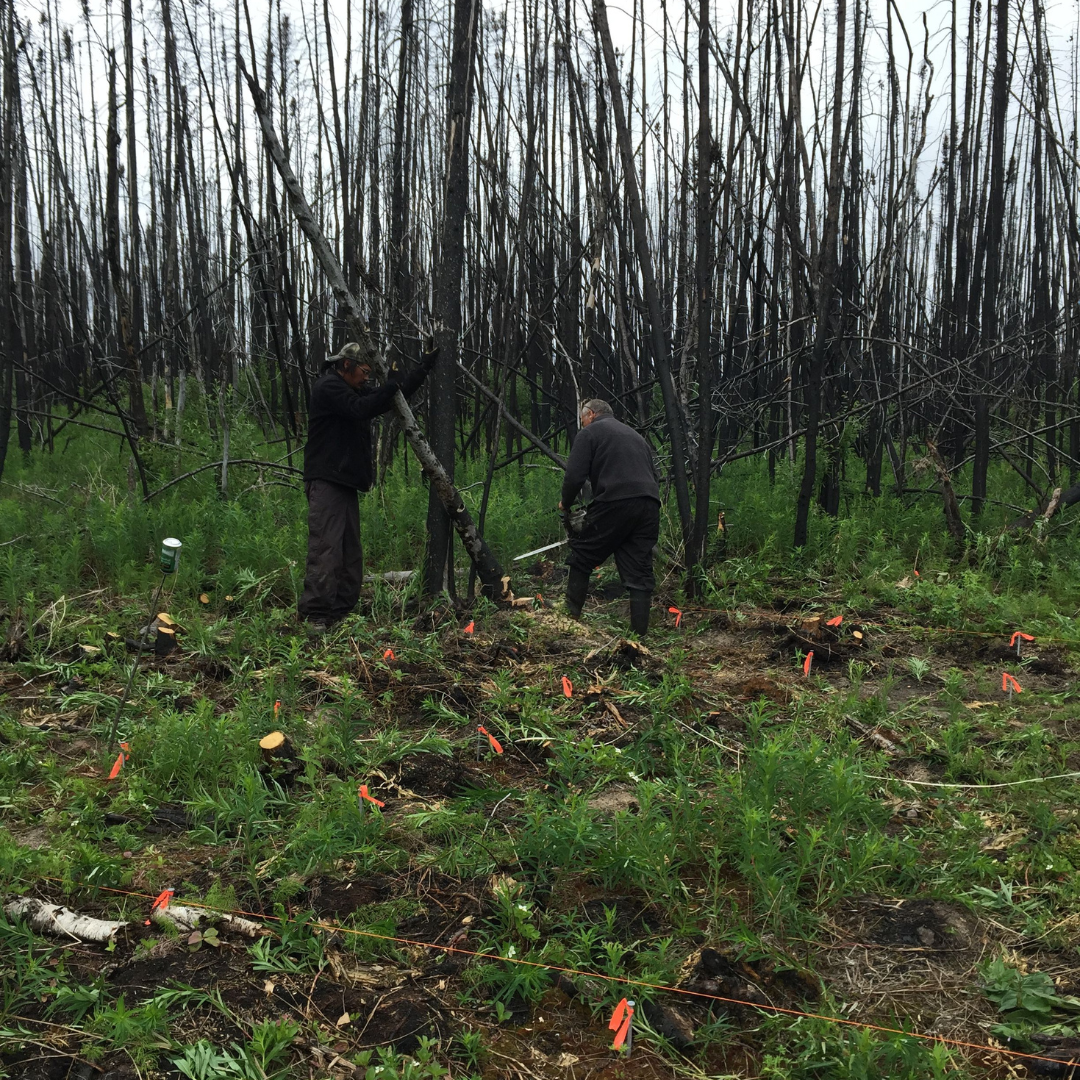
624, 980
940, 630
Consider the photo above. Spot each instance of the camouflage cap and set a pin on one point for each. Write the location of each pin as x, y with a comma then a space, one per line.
357, 352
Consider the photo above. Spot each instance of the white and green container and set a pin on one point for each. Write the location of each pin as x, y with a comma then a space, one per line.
170, 555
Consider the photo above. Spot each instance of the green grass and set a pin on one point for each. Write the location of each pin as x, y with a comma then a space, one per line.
749, 827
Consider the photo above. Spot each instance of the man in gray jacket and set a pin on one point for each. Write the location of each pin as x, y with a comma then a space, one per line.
623, 518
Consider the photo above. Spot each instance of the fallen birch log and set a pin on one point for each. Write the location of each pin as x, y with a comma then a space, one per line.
185, 919
60, 921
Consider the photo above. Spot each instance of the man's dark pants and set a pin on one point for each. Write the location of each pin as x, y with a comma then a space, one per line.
626, 528
335, 560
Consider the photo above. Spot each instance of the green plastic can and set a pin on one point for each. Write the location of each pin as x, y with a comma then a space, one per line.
170, 555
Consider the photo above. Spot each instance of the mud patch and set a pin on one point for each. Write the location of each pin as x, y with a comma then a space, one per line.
923, 924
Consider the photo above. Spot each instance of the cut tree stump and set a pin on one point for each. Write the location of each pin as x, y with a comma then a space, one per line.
165, 642
276, 748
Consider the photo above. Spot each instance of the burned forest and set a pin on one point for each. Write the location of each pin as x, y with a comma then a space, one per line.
788, 792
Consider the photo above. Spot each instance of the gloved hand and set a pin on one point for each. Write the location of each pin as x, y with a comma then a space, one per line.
431, 354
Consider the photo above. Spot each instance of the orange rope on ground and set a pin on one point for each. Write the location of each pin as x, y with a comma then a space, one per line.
621, 979
940, 630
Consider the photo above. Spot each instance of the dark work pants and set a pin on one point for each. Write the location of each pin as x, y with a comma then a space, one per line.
627, 529
335, 560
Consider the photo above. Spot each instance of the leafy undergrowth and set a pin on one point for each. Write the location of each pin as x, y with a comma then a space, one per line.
859, 842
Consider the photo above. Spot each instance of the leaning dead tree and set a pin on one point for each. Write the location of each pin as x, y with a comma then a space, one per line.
487, 566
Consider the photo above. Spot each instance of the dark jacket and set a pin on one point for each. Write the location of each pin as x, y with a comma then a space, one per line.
338, 448
615, 459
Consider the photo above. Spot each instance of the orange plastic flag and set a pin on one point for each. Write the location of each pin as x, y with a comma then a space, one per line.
620, 1023
388, 654
495, 744
1009, 683
160, 904
471, 627
277, 708
365, 797
807, 662
835, 622
617, 1016
916, 573
118, 764
1021, 635
567, 687
678, 616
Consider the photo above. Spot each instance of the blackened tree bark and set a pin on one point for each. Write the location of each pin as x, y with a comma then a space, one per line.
11, 347
826, 277
446, 313
703, 283
659, 336
993, 227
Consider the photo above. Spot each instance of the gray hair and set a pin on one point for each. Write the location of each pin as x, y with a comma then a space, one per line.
595, 405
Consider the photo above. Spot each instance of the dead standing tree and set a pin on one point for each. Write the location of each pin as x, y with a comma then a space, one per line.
487, 566
446, 317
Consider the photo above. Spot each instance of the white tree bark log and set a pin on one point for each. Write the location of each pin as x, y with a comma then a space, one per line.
62, 922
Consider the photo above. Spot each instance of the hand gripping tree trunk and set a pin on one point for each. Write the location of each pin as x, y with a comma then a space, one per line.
658, 335
487, 566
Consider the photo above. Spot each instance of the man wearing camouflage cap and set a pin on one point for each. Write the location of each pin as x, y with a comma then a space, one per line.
337, 464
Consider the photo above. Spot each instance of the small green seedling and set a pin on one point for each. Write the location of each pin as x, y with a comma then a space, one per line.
203, 937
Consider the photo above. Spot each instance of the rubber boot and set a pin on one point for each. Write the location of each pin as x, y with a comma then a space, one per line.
577, 588
640, 601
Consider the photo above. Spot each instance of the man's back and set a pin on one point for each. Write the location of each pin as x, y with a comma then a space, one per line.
615, 459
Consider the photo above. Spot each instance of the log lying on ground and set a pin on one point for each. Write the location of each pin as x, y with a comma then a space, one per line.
487, 566
1059, 500
186, 919
62, 922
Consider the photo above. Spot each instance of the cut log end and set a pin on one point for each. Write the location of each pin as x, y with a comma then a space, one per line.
276, 748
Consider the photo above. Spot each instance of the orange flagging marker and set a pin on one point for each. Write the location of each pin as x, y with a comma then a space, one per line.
388, 654
365, 797
494, 743
160, 904
807, 663
620, 1022
118, 764
567, 687
835, 622
471, 627
1010, 684
277, 708
678, 616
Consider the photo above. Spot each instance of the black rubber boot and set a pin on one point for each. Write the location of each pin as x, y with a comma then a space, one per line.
577, 588
640, 601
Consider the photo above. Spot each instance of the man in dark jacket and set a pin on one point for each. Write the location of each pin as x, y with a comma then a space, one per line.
338, 464
623, 518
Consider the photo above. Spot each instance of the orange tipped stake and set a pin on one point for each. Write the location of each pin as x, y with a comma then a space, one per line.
1018, 638
362, 791
1010, 684
471, 627
806, 664
492, 741
620, 1023
835, 622
160, 904
277, 709
118, 764
916, 573
678, 616
388, 654
567, 687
